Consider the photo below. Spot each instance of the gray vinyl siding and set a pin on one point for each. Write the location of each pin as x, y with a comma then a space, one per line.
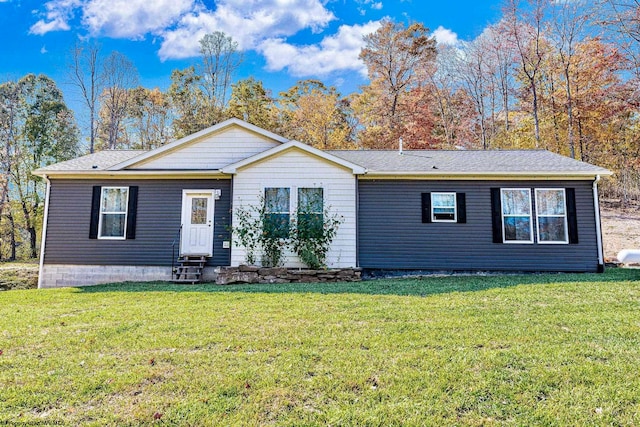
392, 235
157, 225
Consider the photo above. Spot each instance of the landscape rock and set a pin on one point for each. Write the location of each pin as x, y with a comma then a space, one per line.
272, 271
229, 276
276, 275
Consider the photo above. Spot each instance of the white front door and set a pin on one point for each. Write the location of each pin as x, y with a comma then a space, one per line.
197, 222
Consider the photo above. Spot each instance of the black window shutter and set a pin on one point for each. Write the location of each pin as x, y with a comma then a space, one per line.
95, 212
132, 211
496, 215
426, 207
572, 215
461, 203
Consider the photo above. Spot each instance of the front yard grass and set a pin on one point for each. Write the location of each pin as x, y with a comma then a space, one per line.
553, 349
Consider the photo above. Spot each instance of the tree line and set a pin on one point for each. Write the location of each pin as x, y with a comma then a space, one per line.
557, 75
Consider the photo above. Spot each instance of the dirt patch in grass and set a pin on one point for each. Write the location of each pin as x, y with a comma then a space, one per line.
620, 228
15, 275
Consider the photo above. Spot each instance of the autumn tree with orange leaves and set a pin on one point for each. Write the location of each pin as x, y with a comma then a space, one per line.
394, 56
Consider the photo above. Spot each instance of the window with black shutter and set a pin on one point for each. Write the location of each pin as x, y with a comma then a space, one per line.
113, 213
444, 207
555, 215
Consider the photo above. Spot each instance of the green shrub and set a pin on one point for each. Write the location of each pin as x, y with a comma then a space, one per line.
268, 235
311, 236
260, 234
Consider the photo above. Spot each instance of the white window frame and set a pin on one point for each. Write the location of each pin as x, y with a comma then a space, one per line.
503, 216
294, 197
101, 213
290, 207
297, 202
264, 192
455, 207
566, 224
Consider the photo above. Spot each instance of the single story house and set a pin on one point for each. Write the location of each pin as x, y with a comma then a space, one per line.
125, 215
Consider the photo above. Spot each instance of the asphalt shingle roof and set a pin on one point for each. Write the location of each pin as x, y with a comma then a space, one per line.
100, 160
466, 162
423, 162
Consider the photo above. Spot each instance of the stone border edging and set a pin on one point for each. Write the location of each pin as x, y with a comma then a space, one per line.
255, 274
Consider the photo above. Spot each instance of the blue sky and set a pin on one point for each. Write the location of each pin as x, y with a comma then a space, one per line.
283, 40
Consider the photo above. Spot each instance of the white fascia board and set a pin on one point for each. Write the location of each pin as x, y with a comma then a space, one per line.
233, 168
135, 174
534, 176
187, 139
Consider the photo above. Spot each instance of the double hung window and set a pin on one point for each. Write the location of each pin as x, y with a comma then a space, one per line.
308, 203
310, 212
443, 207
551, 215
113, 212
516, 215
277, 201
551, 210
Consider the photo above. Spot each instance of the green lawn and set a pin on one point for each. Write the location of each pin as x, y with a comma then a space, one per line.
479, 350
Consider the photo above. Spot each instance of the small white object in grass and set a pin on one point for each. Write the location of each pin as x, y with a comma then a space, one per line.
627, 256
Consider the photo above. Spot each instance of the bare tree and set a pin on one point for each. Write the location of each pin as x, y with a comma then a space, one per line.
525, 24
220, 59
86, 75
120, 75
621, 19
500, 54
443, 84
568, 24
472, 69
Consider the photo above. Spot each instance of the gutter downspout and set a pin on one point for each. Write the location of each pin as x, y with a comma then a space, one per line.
357, 212
231, 209
596, 204
43, 238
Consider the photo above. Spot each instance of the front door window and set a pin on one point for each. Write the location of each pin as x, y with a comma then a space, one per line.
199, 210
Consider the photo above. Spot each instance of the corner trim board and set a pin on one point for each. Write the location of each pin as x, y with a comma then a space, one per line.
43, 238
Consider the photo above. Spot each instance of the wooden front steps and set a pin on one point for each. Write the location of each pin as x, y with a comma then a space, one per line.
190, 269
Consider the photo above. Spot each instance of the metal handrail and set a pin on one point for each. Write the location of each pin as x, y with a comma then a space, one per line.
173, 252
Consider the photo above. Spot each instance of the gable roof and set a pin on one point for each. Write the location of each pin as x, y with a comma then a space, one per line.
293, 144
172, 146
98, 161
449, 164
469, 163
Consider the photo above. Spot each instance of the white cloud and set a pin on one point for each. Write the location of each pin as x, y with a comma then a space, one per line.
247, 22
43, 50
261, 25
375, 5
445, 36
57, 16
334, 53
132, 19
42, 27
